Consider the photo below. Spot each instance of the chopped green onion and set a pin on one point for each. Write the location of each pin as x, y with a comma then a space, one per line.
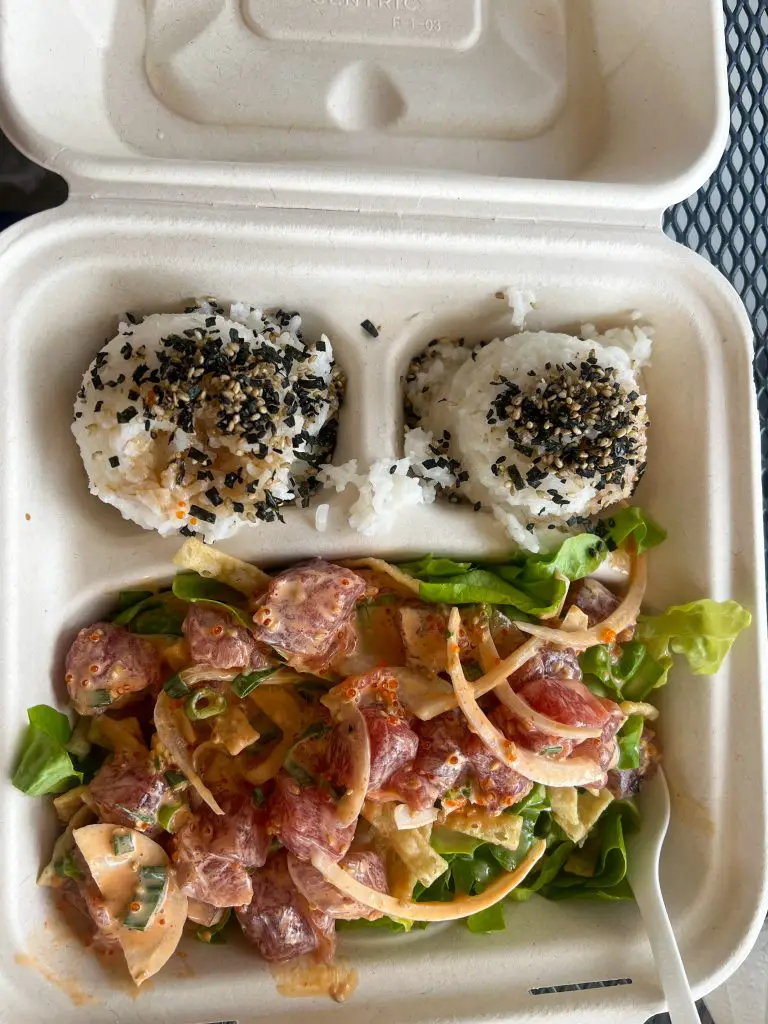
67, 867
311, 692
166, 815
297, 772
205, 703
176, 687
154, 876
213, 933
176, 780
314, 731
257, 797
98, 698
145, 819
122, 843
247, 682
148, 898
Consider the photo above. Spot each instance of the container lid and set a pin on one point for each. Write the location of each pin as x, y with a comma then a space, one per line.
483, 107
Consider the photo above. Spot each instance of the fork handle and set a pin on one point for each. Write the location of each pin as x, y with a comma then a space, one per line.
674, 981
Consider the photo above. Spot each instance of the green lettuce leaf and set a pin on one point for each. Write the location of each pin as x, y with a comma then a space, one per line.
474, 864
151, 615
483, 586
128, 598
534, 810
702, 631
429, 567
576, 558
609, 881
534, 585
45, 765
628, 739
390, 924
490, 920
192, 587
628, 672
631, 524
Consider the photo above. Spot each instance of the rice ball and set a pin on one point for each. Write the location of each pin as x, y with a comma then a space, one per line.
198, 422
541, 429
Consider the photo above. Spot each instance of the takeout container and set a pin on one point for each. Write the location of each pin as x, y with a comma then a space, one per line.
400, 161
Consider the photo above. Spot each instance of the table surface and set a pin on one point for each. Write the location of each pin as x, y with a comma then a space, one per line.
725, 221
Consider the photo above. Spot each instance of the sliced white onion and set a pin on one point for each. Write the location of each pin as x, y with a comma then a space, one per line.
170, 736
428, 697
606, 631
209, 747
145, 951
632, 707
405, 818
356, 732
520, 708
404, 581
411, 845
207, 674
574, 771
455, 910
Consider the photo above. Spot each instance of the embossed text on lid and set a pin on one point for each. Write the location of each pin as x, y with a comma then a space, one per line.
443, 24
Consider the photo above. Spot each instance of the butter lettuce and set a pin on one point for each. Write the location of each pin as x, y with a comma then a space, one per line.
45, 765
628, 672
631, 524
628, 739
533, 585
608, 880
703, 632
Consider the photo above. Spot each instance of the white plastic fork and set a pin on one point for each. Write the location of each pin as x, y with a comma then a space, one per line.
643, 850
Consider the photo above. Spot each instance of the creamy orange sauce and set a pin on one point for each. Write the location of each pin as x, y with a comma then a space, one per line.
66, 983
298, 979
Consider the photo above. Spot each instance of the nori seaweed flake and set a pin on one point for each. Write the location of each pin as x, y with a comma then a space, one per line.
202, 513
126, 415
370, 328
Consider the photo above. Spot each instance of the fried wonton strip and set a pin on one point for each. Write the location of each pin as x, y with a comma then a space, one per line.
214, 564
411, 845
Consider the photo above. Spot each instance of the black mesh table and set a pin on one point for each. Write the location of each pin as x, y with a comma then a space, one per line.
726, 220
